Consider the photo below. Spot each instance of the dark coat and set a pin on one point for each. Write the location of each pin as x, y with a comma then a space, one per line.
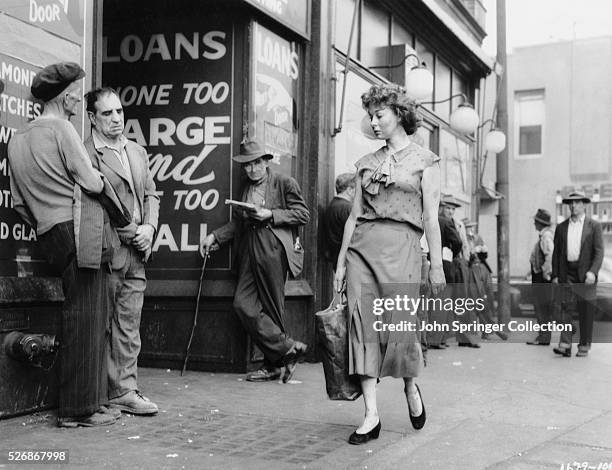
591, 250
289, 211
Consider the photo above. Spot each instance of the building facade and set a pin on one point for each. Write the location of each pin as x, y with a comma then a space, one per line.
559, 138
196, 78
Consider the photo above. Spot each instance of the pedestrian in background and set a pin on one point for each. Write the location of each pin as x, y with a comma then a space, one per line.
479, 277
51, 180
267, 248
541, 274
396, 199
336, 214
576, 261
126, 166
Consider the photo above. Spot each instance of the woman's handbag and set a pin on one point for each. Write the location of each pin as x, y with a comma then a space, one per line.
332, 332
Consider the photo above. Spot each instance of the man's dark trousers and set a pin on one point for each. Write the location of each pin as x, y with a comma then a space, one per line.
584, 296
259, 300
542, 303
85, 326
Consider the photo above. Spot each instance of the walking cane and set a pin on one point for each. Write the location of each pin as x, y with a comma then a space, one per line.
195, 315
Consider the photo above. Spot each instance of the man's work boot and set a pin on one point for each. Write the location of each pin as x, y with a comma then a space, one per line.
135, 403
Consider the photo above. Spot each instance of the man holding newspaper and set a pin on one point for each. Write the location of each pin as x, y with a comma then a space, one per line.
266, 248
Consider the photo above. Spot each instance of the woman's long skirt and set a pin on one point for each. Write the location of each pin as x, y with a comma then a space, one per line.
384, 262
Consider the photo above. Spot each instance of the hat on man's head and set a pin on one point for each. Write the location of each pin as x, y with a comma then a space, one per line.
55, 78
450, 201
251, 150
542, 216
576, 196
469, 223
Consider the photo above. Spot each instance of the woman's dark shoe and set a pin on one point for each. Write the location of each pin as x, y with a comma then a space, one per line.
417, 421
373, 433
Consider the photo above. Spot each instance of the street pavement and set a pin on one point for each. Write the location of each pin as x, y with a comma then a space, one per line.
504, 406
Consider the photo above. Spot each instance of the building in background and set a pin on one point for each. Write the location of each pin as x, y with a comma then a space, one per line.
559, 138
198, 76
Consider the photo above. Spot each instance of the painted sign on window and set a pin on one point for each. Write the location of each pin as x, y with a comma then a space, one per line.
175, 82
18, 252
276, 77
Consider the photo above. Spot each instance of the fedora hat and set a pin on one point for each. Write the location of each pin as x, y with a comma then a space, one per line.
469, 223
251, 150
542, 216
576, 196
449, 200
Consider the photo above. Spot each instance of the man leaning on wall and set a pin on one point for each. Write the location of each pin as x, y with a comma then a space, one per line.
49, 170
126, 166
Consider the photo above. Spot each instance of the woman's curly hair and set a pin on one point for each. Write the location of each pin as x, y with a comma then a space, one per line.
394, 97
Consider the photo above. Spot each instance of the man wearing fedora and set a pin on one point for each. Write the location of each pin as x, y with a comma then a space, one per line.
541, 274
266, 248
576, 261
57, 191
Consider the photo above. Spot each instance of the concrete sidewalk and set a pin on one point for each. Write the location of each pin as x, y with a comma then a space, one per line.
504, 406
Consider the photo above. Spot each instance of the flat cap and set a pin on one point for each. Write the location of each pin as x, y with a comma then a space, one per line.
55, 78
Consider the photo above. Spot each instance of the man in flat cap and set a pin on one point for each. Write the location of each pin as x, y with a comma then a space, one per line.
50, 169
126, 166
576, 261
541, 274
267, 248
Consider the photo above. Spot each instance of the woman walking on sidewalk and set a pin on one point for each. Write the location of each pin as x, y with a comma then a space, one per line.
396, 198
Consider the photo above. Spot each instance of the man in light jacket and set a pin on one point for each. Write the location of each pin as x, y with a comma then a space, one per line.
126, 166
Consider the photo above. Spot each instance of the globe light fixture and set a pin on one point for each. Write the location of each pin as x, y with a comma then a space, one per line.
495, 141
419, 83
464, 119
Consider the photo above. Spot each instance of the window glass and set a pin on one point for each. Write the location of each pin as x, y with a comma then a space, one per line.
375, 36
344, 18
529, 123
425, 55
442, 91
455, 154
400, 35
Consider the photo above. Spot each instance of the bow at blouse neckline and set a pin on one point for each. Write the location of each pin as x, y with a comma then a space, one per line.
384, 173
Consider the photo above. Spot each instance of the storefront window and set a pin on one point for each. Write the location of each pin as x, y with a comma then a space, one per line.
275, 80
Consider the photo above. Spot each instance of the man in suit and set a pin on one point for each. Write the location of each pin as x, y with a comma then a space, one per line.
541, 271
57, 191
576, 261
336, 214
126, 165
267, 248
